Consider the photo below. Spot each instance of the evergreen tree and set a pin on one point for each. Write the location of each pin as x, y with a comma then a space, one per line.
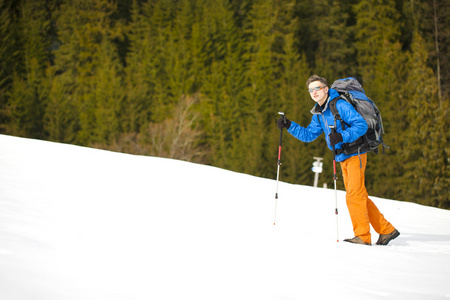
109, 95
27, 100
295, 101
427, 167
61, 114
86, 31
266, 29
382, 69
8, 60
440, 12
203, 80
331, 30
223, 83
147, 33
431, 19
165, 67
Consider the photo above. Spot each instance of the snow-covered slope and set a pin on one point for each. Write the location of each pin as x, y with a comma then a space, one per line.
79, 223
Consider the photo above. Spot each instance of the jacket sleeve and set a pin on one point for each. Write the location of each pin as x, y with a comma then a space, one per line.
357, 125
307, 134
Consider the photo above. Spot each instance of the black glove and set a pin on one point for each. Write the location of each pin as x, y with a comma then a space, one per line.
283, 122
335, 138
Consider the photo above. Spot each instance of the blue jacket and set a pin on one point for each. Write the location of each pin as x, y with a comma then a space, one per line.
357, 126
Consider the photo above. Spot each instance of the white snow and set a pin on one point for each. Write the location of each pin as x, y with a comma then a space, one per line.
80, 223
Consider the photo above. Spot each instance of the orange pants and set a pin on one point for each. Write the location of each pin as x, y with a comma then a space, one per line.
363, 211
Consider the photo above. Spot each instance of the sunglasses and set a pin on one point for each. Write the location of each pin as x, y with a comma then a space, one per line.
317, 88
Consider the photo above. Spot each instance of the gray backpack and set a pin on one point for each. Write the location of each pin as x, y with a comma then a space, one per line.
350, 90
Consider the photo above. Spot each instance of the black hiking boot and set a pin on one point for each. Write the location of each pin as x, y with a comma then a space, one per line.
357, 240
384, 239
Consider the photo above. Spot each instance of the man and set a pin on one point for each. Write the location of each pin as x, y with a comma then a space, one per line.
363, 211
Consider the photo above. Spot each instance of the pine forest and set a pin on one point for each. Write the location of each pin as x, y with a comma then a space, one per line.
204, 80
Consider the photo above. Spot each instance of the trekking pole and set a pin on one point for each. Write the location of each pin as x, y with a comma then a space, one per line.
278, 167
333, 128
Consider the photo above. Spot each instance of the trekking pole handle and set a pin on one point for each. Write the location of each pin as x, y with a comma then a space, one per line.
284, 117
332, 129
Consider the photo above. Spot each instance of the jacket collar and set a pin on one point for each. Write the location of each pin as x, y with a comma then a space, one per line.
317, 109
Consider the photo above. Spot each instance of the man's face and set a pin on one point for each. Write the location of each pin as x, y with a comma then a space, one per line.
318, 92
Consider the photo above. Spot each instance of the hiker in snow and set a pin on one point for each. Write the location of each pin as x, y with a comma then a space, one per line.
363, 211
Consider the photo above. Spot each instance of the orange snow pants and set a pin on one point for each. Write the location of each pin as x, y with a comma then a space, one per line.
363, 211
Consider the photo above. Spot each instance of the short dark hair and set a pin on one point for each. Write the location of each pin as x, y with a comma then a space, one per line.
316, 78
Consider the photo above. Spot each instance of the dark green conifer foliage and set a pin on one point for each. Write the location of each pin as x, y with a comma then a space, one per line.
223, 84
426, 155
268, 36
8, 58
61, 115
335, 39
203, 80
27, 100
108, 94
139, 73
382, 69
86, 32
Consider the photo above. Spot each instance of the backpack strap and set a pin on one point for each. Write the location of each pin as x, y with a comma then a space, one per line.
335, 112
337, 116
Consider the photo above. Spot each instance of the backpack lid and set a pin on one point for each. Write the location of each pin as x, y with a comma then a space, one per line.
347, 84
